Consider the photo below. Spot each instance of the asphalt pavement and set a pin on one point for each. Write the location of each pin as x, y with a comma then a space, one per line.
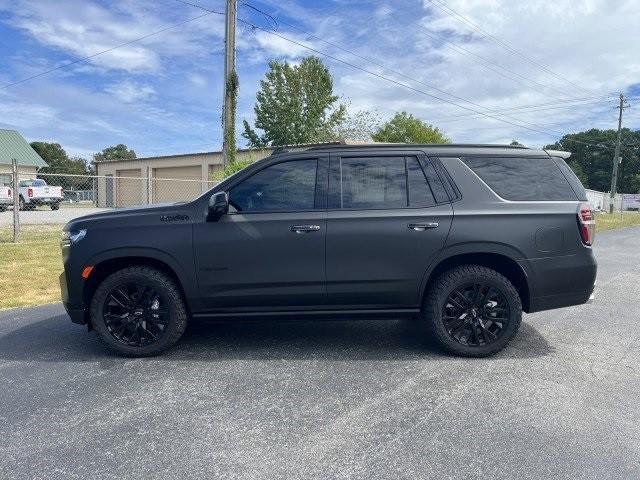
325, 400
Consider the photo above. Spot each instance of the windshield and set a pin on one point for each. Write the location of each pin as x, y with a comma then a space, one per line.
33, 183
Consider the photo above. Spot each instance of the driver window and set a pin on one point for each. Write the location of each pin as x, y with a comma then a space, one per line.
280, 187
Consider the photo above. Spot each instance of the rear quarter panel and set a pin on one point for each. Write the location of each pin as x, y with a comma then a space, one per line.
542, 237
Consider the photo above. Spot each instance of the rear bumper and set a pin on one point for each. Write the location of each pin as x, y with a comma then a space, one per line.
6, 201
37, 201
562, 281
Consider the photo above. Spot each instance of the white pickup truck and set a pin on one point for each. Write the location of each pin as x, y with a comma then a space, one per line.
6, 198
36, 192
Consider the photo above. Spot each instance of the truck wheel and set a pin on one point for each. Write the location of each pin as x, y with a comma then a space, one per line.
55, 206
138, 312
472, 311
21, 204
3, 208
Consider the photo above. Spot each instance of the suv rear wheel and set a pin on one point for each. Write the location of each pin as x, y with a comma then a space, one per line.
473, 311
138, 312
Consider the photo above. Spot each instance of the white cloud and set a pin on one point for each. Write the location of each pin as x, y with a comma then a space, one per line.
130, 92
83, 28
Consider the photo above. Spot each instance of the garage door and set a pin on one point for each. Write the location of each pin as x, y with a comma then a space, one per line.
176, 184
129, 191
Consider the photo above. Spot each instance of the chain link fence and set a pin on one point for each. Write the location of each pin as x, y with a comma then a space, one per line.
55, 199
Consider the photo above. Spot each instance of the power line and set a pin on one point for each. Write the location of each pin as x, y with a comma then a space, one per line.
88, 57
390, 80
524, 109
486, 63
442, 6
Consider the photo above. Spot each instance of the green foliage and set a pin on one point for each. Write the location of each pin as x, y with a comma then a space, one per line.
515, 143
58, 161
116, 152
359, 126
295, 104
593, 164
405, 128
230, 169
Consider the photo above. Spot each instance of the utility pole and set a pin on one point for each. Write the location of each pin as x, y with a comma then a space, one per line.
616, 158
16, 200
230, 84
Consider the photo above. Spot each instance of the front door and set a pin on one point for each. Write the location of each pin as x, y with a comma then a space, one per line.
386, 222
269, 251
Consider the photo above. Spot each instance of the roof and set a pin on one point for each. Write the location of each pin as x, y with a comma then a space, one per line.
426, 145
14, 146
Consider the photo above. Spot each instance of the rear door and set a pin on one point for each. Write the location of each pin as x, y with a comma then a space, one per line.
388, 217
268, 252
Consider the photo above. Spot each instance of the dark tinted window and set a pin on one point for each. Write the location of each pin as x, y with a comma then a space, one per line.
523, 178
419, 192
573, 180
283, 186
378, 182
437, 187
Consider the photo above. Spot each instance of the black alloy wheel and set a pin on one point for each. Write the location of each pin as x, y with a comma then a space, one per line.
476, 314
138, 311
135, 314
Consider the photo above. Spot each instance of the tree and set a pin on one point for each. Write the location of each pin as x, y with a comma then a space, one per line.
116, 152
516, 143
359, 126
295, 104
58, 162
405, 128
592, 156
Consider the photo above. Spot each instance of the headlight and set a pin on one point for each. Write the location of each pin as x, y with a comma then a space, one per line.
69, 238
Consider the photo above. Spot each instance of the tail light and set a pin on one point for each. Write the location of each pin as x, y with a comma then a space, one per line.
9, 191
30, 192
586, 224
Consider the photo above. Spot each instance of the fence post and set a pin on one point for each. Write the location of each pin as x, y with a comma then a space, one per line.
16, 201
149, 193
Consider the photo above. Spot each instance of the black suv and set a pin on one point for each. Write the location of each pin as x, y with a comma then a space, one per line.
464, 236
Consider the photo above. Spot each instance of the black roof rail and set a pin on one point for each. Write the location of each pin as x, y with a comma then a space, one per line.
278, 150
401, 145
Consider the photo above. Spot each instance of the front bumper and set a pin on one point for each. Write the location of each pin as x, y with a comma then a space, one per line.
76, 312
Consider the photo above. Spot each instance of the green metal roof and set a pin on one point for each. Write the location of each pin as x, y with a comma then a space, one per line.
13, 145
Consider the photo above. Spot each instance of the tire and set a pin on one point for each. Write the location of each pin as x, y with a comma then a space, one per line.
3, 208
21, 204
55, 206
473, 333
170, 303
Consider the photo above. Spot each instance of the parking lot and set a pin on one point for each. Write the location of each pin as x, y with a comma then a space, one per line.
323, 400
44, 215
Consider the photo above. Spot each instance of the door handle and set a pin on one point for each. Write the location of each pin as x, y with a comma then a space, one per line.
304, 228
421, 227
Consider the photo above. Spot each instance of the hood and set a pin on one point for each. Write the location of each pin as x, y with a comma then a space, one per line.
143, 214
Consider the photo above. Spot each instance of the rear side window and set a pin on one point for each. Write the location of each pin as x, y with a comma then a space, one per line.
373, 183
572, 178
523, 179
420, 194
384, 183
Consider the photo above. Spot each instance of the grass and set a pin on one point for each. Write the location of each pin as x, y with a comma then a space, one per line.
605, 221
29, 270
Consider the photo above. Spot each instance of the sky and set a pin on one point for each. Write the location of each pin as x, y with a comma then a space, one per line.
444, 61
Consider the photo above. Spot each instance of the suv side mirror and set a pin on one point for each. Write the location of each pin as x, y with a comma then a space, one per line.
218, 206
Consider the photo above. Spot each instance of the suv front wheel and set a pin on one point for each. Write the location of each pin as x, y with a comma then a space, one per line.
472, 311
138, 312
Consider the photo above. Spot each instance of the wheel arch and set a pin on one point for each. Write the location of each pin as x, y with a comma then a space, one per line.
105, 266
501, 261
